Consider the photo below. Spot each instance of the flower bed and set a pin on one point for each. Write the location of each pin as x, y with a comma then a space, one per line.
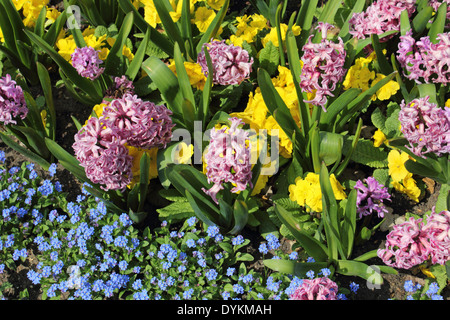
215, 150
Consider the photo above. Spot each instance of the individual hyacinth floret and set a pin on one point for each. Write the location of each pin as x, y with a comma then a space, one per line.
12, 101
316, 289
228, 159
323, 66
102, 152
424, 61
370, 197
142, 124
425, 126
87, 62
231, 64
379, 17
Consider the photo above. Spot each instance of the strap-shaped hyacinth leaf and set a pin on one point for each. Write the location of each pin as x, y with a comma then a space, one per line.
167, 83
24, 151
46, 85
156, 37
114, 64
422, 18
135, 65
298, 269
438, 24
305, 19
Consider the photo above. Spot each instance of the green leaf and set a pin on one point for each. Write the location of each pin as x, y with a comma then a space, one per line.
422, 18
294, 268
167, 83
177, 210
170, 28
330, 147
240, 214
438, 24
24, 151
359, 269
269, 58
135, 65
114, 64
312, 246
442, 202
365, 153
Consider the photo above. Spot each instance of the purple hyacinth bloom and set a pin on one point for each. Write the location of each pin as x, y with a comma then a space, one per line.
142, 124
86, 61
379, 17
231, 63
425, 126
370, 198
406, 245
12, 101
228, 159
102, 152
323, 64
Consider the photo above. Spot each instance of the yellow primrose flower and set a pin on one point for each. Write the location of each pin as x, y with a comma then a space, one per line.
396, 165
183, 153
378, 138
194, 71
150, 14
31, 11
359, 75
215, 4
272, 35
307, 192
52, 14
386, 91
136, 154
203, 18
2, 38
408, 186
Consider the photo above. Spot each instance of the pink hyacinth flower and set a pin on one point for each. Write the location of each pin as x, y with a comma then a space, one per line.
406, 245
87, 62
102, 153
142, 124
323, 64
425, 126
231, 64
12, 101
316, 289
379, 17
228, 159
437, 230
